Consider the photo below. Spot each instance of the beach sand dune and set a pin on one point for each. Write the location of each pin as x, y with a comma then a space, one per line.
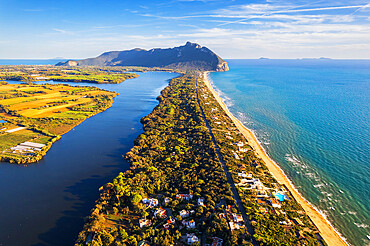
327, 231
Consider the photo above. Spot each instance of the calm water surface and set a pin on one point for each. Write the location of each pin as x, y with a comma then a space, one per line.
313, 118
44, 203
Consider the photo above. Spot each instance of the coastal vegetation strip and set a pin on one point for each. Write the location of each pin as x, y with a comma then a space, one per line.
276, 216
176, 192
327, 231
97, 75
34, 116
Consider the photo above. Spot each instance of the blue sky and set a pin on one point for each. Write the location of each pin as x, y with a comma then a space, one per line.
233, 29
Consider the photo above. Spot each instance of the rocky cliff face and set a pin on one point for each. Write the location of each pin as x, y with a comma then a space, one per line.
191, 56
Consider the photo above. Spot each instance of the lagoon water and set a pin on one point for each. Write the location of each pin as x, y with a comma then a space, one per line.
312, 117
45, 203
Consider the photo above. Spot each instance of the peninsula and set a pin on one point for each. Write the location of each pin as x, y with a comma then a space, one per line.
196, 179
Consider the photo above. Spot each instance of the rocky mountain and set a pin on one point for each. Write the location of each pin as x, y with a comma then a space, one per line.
191, 56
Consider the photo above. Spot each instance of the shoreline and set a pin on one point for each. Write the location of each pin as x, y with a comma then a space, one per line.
330, 235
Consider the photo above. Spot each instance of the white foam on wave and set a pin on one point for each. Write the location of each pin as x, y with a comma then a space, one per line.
361, 225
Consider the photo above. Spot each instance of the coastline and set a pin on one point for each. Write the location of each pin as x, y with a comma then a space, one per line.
327, 231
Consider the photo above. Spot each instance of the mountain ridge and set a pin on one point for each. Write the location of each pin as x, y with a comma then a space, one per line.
190, 56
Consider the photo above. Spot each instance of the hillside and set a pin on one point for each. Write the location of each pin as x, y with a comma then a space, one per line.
191, 56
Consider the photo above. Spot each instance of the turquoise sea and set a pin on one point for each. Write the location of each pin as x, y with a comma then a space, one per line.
312, 116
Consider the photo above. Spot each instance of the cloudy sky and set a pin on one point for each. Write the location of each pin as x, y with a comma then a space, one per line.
232, 28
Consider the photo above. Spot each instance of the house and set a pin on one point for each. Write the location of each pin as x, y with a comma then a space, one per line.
242, 149
166, 200
160, 213
243, 174
260, 201
228, 137
236, 156
200, 201
170, 221
216, 241
184, 213
222, 215
234, 226
144, 222
237, 218
151, 202
190, 224
185, 196
239, 144
263, 210
143, 243
274, 203
191, 238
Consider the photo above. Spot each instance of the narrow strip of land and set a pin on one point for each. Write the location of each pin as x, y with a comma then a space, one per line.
227, 173
327, 231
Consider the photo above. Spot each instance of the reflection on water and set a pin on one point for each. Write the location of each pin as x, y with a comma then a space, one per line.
45, 203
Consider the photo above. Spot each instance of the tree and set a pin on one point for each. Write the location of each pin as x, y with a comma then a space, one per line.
136, 198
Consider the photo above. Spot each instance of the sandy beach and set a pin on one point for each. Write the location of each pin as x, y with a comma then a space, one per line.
327, 231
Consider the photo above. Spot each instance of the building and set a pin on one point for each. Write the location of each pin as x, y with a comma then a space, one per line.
237, 218
236, 156
166, 200
185, 196
144, 222
274, 203
216, 241
151, 202
143, 243
190, 224
191, 238
239, 144
200, 201
184, 213
160, 213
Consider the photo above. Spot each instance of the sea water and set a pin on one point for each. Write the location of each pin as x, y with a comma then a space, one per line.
312, 117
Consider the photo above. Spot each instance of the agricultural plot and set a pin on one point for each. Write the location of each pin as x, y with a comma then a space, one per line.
39, 114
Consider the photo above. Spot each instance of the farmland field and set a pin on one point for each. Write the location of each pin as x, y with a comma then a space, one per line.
41, 113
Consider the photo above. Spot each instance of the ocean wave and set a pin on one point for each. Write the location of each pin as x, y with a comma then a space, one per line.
361, 225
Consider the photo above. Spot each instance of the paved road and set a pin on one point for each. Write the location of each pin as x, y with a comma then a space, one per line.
228, 175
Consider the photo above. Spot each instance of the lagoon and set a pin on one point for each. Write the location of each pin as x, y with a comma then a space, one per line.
45, 203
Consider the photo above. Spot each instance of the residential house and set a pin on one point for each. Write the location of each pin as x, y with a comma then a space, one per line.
151, 202
160, 213
190, 224
184, 213
144, 222
216, 241
200, 201
191, 238
274, 203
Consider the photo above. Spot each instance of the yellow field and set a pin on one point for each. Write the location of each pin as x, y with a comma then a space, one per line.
44, 101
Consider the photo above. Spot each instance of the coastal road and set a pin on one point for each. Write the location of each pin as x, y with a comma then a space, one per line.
227, 173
